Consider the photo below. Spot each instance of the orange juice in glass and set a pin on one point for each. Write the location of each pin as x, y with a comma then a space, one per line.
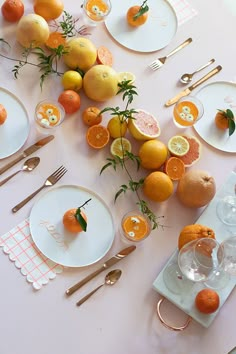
96, 11
48, 115
187, 111
135, 226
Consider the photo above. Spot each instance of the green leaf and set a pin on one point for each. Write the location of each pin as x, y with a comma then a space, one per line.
105, 166
143, 9
231, 126
80, 219
229, 114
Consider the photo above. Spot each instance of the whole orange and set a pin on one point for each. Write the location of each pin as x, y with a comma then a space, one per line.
207, 301
153, 154
12, 10
158, 186
48, 9
70, 100
91, 116
70, 222
3, 114
130, 16
222, 121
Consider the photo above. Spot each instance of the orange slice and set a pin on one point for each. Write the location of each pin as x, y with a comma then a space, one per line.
97, 136
174, 168
55, 39
104, 56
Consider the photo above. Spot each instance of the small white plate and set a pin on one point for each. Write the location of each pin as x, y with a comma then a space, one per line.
155, 34
217, 95
59, 245
15, 130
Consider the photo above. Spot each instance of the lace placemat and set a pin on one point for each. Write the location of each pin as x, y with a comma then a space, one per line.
21, 250
184, 10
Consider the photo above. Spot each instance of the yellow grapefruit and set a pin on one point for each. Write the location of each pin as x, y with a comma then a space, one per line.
81, 53
32, 30
100, 83
152, 154
144, 126
158, 186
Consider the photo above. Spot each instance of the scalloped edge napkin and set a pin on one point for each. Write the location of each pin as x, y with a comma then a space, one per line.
183, 9
20, 248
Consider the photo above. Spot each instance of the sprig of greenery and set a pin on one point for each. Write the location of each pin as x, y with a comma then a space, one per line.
230, 117
143, 9
129, 91
79, 216
68, 26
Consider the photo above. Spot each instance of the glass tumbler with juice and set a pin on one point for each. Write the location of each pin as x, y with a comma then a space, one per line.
187, 111
96, 11
135, 226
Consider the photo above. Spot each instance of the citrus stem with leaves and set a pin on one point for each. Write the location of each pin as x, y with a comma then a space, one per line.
79, 217
129, 91
143, 9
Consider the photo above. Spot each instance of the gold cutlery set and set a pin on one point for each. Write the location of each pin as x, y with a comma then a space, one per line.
185, 78
29, 165
110, 278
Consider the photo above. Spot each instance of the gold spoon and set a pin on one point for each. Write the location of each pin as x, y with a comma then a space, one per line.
28, 166
187, 78
110, 279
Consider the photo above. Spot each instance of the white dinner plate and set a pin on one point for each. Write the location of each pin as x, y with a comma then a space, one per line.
61, 246
155, 34
217, 95
15, 130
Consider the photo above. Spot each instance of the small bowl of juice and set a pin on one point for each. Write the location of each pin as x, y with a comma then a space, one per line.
96, 11
187, 111
48, 115
135, 226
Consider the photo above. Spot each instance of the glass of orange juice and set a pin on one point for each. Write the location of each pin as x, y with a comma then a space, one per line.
135, 226
49, 114
96, 11
187, 111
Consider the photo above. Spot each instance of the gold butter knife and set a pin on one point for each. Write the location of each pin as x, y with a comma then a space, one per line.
189, 89
122, 254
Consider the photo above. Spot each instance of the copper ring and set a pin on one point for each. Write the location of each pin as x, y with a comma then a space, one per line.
173, 328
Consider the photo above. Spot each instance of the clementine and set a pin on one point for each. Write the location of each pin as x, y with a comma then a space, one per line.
97, 136
70, 100
137, 15
12, 10
207, 301
70, 221
48, 9
3, 114
91, 116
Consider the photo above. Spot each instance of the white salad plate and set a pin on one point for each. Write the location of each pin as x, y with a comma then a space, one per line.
155, 34
217, 95
15, 130
61, 246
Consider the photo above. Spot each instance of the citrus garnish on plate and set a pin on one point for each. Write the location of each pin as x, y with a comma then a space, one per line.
119, 146
178, 145
97, 136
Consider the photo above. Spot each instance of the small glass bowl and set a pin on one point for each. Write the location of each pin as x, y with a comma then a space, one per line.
49, 114
135, 226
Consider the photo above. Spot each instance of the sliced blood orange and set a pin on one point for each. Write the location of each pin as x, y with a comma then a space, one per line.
174, 168
97, 136
194, 153
144, 126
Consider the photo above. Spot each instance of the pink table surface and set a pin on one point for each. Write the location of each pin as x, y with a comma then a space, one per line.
121, 319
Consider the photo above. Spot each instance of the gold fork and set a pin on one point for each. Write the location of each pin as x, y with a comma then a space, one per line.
156, 64
50, 181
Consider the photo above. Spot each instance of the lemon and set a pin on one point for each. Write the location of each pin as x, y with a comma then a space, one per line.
178, 145
72, 80
119, 146
117, 127
125, 75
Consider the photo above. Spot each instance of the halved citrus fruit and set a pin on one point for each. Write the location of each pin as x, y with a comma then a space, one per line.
174, 168
55, 39
126, 76
144, 126
104, 56
97, 136
119, 146
178, 145
194, 152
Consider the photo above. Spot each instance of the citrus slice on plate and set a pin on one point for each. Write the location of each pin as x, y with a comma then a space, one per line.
178, 145
125, 76
119, 146
97, 136
174, 168
144, 126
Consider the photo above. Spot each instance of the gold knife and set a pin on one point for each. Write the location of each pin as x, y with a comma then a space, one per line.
189, 89
30, 150
122, 254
